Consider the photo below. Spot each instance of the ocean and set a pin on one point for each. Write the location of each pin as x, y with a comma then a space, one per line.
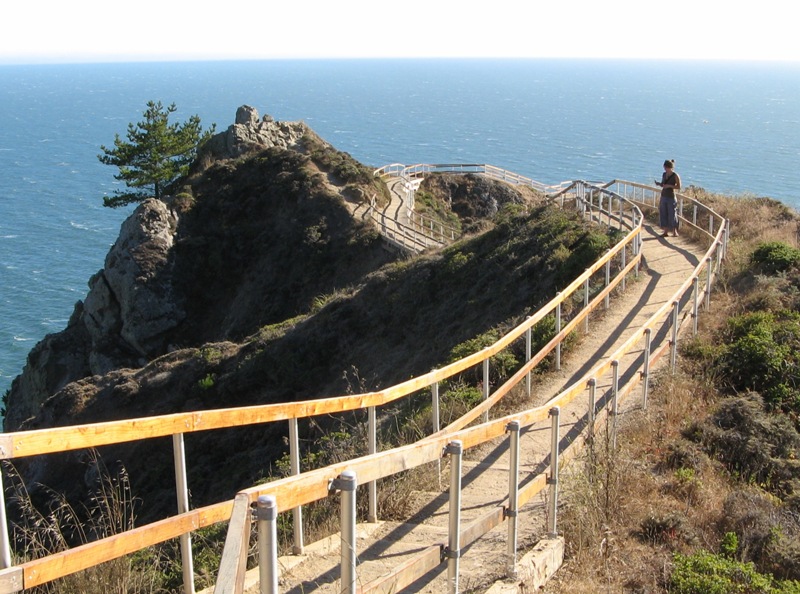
732, 127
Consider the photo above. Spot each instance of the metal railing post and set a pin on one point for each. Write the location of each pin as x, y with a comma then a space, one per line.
608, 280
592, 383
513, 497
673, 347
435, 406
552, 532
182, 490
614, 399
586, 306
346, 484
708, 286
372, 513
695, 300
294, 467
5, 542
267, 516
558, 331
648, 336
453, 551
624, 254
486, 387
436, 425
528, 355
637, 249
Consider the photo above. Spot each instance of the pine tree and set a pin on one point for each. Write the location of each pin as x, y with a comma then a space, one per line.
155, 154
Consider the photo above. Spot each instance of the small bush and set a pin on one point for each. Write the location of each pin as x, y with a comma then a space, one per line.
775, 256
501, 366
753, 445
761, 352
666, 528
706, 573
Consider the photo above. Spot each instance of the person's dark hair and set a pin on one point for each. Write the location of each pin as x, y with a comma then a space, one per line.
669, 163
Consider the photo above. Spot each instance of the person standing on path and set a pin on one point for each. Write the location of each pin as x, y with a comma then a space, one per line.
667, 209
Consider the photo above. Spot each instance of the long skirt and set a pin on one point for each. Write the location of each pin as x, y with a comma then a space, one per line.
667, 210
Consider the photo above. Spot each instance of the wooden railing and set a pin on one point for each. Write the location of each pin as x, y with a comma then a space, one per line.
295, 491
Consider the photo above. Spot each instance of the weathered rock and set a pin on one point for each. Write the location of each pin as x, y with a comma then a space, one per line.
134, 296
123, 322
249, 132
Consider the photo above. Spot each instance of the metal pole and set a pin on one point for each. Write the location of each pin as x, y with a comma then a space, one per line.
558, 331
553, 480
586, 306
674, 343
513, 497
608, 279
695, 299
435, 406
182, 490
372, 513
347, 485
528, 355
294, 463
614, 399
453, 551
638, 245
436, 425
648, 336
486, 387
267, 516
708, 286
592, 403
624, 254
5, 542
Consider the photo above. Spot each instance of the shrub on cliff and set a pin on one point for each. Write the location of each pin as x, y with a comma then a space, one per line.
775, 256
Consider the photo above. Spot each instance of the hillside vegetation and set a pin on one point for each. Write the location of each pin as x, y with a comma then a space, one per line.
703, 493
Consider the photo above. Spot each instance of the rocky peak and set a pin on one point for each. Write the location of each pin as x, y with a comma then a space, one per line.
252, 132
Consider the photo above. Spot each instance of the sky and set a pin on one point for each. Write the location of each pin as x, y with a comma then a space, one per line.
58, 31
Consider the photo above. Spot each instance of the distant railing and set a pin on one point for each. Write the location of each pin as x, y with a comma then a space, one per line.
595, 285
425, 231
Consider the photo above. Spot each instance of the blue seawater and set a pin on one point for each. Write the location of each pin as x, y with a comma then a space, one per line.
732, 127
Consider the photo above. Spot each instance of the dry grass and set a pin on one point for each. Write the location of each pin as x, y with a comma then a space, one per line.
656, 494
627, 510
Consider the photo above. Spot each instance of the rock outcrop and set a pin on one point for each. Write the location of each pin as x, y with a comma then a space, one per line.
123, 322
252, 132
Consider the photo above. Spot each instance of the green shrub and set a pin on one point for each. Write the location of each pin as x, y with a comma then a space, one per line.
729, 545
754, 446
761, 352
470, 396
706, 573
501, 366
207, 382
775, 256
